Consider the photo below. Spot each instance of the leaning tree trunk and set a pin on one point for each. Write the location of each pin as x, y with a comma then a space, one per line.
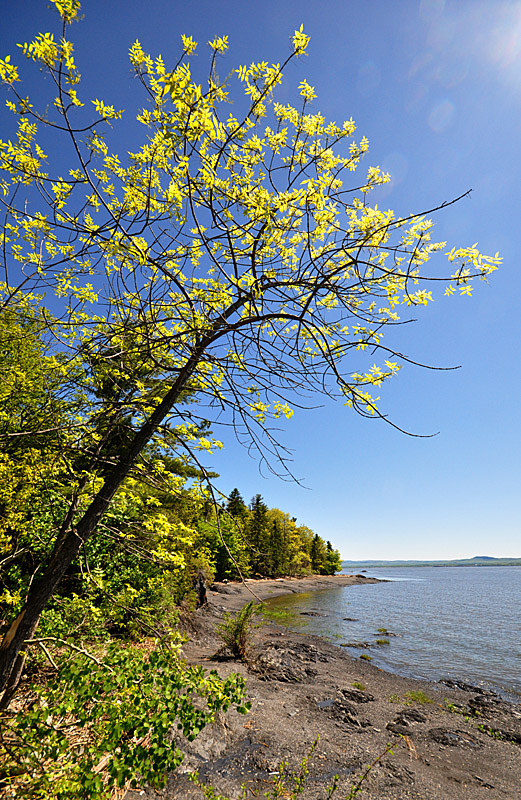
68, 547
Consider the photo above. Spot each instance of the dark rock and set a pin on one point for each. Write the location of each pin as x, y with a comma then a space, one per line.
350, 619
356, 644
466, 687
484, 703
345, 712
484, 783
403, 721
312, 614
357, 696
412, 715
326, 703
453, 738
399, 728
288, 664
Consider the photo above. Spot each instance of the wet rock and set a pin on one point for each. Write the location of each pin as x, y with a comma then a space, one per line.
466, 687
485, 703
357, 644
312, 614
350, 619
326, 703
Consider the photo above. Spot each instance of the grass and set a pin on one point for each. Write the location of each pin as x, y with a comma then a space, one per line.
366, 657
417, 697
383, 641
274, 614
412, 697
359, 686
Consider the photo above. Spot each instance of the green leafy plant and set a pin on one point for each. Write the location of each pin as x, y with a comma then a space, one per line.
454, 708
492, 732
100, 726
382, 641
365, 657
235, 630
359, 686
290, 785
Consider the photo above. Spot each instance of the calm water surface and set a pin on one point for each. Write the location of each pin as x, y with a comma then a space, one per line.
450, 622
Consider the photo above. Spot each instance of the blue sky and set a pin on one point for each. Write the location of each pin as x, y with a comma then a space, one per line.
436, 87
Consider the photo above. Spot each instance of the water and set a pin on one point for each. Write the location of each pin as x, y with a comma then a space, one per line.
450, 622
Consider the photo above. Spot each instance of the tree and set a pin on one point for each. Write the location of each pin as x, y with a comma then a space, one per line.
318, 555
235, 505
226, 257
258, 536
333, 560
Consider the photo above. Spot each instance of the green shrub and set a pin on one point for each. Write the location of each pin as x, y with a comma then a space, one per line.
236, 630
101, 726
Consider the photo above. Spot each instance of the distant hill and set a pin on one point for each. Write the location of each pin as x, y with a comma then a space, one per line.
476, 561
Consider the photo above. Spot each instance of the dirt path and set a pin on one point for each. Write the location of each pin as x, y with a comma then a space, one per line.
465, 744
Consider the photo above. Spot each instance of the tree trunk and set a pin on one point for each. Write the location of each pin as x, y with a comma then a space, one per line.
69, 546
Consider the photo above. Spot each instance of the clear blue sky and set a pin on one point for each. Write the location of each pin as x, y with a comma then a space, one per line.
436, 87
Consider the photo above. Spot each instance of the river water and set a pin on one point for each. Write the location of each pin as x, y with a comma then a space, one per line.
448, 622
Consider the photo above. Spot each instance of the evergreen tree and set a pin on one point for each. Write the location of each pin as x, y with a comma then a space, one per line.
236, 505
259, 536
318, 555
278, 551
333, 560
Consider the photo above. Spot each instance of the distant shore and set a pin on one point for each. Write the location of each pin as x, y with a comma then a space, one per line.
450, 741
477, 561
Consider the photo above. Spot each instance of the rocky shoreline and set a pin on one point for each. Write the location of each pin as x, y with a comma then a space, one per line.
450, 741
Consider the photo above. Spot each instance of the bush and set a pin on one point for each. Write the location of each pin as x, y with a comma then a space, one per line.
101, 726
236, 630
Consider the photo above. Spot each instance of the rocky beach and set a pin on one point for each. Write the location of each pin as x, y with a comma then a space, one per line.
424, 740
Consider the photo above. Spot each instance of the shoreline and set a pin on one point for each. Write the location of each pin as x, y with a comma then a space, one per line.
263, 589
450, 741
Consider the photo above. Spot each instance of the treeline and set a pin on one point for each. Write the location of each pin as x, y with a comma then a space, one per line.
269, 543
